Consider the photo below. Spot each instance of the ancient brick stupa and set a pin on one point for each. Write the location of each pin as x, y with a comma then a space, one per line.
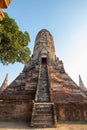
43, 94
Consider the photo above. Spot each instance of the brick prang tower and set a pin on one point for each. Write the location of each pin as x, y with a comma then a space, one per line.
43, 94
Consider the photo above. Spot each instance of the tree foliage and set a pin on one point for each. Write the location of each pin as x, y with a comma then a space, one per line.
13, 42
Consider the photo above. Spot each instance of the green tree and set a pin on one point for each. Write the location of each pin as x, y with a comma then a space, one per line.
13, 42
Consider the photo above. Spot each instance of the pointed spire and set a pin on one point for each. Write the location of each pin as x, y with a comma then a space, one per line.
5, 83
81, 84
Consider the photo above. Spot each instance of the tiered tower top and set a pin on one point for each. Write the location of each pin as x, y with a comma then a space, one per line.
44, 50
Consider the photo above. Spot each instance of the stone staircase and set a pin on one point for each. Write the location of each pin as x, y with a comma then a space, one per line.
43, 114
42, 94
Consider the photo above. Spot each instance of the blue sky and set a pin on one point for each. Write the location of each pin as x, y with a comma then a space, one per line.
67, 22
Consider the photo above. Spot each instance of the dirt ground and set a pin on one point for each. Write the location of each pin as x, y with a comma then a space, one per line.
25, 126
72, 126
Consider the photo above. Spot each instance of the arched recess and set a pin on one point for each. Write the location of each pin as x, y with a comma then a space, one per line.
44, 56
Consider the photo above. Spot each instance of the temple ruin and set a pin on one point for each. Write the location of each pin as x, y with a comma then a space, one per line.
43, 94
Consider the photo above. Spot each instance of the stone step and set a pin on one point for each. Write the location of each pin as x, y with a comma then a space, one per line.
43, 105
43, 120
43, 91
43, 112
46, 106
42, 125
42, 117
40, 100
39, 116
42, 109
42, 97
44, 75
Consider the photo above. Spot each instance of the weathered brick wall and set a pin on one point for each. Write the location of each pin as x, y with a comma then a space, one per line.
71, 112
15, 110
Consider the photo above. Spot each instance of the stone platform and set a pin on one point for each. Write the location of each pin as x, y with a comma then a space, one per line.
25, 126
